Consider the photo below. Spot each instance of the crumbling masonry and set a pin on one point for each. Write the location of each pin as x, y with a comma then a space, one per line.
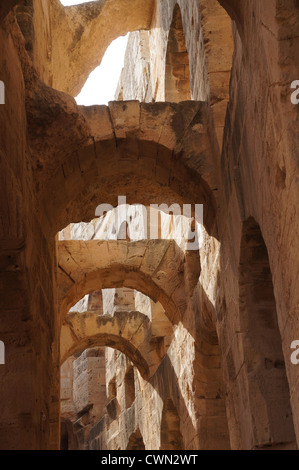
140, 343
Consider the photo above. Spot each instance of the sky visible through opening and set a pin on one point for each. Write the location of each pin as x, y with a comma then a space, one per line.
101, 85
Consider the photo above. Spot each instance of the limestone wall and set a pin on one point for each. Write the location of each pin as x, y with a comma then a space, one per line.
218, 328
245, 166
29, 326
257, 171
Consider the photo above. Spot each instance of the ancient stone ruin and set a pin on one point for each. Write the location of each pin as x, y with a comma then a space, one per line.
141, 326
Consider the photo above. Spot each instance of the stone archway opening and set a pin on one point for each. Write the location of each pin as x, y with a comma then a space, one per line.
136, 441
177, 69
68, 439
270, 417
128, 332
146, 165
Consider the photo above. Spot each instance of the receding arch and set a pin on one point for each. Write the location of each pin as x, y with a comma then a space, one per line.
136, 441
270, 415
171, 436
128, 332
149, 266
177, 69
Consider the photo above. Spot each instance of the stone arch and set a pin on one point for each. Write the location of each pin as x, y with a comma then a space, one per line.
217, 33
88, 31
153, 267
171, 436
271, 423
149, 152
129, 332
136, 441
177, 70
235, 10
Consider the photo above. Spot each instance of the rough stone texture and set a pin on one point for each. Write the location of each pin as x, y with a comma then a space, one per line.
28, 326
161, 347
177, 61
262, 120
68, 408
89, 384
135, 80
59, 161
83, 397
129, 332
6, 6
151, 266
152, 146
67, 43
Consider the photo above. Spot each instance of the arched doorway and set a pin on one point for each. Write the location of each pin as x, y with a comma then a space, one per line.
268, 406
136, 441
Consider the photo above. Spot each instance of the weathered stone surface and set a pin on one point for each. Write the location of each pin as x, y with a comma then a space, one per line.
85, 266
129, 332
218, 350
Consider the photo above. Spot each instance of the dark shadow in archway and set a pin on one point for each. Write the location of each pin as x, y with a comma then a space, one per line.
136, 441
271, 422
171, 436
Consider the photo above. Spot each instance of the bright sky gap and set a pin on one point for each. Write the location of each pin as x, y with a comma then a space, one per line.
101, 85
